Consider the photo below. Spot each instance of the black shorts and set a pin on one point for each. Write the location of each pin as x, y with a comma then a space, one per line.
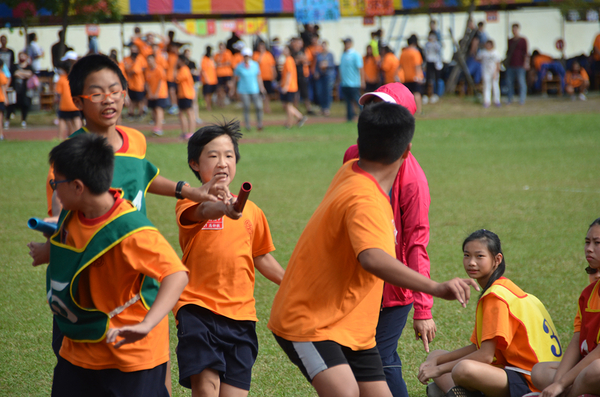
208, 340
288, 97
2, 107
269, 86
223, 80
414, 87
65, 115
137, 96
171, 84
73, 381
517, 384
184, 103
208, 88
370, 87
315, 357
158, 103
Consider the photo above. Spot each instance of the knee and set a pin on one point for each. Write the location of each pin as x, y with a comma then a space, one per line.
464, 371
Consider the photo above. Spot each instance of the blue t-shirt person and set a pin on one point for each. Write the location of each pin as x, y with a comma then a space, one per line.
247, 77
350, 66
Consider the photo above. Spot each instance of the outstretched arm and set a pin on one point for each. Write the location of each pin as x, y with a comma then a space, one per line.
268, 266
211, 191
168, 294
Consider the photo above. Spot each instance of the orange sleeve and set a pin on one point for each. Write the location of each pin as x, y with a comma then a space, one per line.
496, 323
577, 321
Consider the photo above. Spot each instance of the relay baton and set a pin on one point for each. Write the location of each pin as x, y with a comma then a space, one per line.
242, 196
41, 226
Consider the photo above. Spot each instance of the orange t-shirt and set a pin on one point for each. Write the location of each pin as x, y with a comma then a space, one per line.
576, 80
267, 63
3, 82
185, 83
208, 71
223, 61
113, 280
539, 60
311, 54
326, 294
63, 89
371, 68
597, 48
410, 59
157, 81
145, 48
236, 59
172, 58
389, 66
513, 348
135, 72
289, 69
161, 60
220, 256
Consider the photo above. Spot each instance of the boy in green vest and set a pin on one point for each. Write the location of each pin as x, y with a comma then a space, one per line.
116, 330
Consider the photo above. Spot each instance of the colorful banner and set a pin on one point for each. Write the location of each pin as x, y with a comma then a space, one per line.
199, 7
379, 7
198, 27
350, 8
310, 11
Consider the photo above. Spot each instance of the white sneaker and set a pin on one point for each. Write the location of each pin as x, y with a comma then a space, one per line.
6, 124
23, 124
425, 99
433, 390
434, 99
582, 97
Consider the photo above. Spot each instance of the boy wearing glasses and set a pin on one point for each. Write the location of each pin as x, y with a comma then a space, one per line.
116, 328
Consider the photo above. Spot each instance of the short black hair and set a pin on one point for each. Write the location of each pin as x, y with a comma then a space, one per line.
412, 39
206, 134
384, 132
90, 64
87, 157
208, 51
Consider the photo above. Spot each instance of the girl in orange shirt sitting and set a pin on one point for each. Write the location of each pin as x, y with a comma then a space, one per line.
513, 332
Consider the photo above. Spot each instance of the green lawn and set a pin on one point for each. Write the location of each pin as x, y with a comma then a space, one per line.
532, 180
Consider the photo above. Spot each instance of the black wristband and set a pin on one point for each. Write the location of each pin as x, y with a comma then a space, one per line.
178, 188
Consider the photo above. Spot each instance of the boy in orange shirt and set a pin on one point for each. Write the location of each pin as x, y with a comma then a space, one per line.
411, 63
224, 73
69, 117
158, 93
208, 77
116, 331
186, 95
222, 248
3, 84
289, 88
267, 64
325, 312
135, 65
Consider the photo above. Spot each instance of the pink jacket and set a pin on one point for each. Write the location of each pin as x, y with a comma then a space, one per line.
410, 202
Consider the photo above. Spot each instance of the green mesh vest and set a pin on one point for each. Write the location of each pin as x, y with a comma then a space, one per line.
66, 264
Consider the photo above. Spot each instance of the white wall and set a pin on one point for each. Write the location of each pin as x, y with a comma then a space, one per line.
542, 27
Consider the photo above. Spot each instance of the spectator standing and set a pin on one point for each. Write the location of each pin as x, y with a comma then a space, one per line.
3, 84
69, 116
250, 87
490, 65
411, 63
517, 62
268, 73
289, 89
389, 65
325, 78
187, 53
21, 73
434, 28
577, 81
208, 76
34, 52
434, 64
352, 77
172, 57
302, 72
372, 71
6, 54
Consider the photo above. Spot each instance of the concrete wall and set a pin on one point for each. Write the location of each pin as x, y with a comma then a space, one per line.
542, 27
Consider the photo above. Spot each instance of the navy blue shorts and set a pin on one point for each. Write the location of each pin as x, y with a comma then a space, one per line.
184, 103
269, 86
208, 89
208, 340
414, 87
2, 107
137, 96
68, 115
223, 80
314, 357
171, 84
516, 383
73, 381
288, 97
158, 103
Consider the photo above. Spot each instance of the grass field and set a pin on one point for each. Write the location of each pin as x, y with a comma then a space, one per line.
532, 179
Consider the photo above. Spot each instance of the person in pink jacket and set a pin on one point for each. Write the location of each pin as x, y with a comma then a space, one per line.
410, 201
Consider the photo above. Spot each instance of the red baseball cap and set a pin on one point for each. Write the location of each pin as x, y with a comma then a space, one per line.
393, 93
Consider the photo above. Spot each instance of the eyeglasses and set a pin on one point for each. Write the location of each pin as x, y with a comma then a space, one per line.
54, 183
100, 97
591, 270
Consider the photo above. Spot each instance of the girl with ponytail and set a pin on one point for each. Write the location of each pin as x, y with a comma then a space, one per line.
513, 331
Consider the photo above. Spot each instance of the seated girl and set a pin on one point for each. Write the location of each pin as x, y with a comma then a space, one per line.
513, 331
579, 371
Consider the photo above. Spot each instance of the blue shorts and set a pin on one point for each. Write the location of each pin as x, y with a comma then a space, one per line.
517, 385
65, 115
137, 96
287, 97
158, 103
73, 381
2, 107
313, 358
208, 340
171, 84
184, 103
